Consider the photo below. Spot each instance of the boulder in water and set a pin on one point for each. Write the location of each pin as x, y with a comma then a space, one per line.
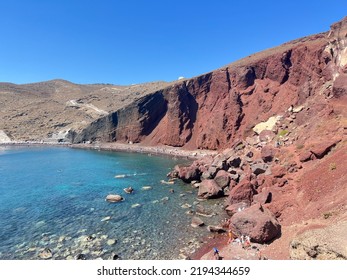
128, 190
114, 198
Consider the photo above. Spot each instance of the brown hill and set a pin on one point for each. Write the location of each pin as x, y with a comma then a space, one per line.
49, 110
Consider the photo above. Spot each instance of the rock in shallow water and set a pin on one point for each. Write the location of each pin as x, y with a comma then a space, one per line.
114, 198
197, 222
46, 254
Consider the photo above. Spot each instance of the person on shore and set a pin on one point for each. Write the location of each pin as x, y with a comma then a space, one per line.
247, 243
216, 253
231, 237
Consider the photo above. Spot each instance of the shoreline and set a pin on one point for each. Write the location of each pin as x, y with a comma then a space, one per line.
151, 150
122, 147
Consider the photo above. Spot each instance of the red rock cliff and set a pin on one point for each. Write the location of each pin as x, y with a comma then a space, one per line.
213, 110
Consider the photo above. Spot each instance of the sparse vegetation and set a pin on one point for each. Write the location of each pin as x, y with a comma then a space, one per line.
332, 166
327, 215
300, 146
283, 133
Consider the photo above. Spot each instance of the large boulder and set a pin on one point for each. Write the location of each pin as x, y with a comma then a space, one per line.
222, 178
257, 222
267, 153
263, 198
188, 173
210, 189
242, 192
259, 168
234, 162
210, 173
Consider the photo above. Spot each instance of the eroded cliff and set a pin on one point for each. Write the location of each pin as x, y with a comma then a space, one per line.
215, 109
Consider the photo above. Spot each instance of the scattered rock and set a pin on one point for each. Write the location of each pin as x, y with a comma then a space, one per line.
201, 211
259, 168
114, 198
188, 173
217, 229
45, 254
167, 182
80, 257
209, 189
305, 156
263, 198
278, 171
128, 190
298, 109
222, 178
242, 192
186, 205
266, 136
111, 242
234, 162
267, 153
197, 222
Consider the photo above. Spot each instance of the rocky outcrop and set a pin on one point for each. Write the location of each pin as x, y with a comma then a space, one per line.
320, 244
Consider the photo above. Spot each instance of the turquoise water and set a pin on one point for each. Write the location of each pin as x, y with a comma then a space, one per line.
55, 198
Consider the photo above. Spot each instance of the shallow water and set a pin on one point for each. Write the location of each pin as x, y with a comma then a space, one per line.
55, 198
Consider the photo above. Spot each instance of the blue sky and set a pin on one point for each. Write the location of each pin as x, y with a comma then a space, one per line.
127, 42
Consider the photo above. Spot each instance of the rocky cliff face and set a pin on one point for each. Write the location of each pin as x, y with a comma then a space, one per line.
213, 110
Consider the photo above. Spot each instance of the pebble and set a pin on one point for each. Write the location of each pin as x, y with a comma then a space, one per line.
106, 219
111, 242
186, 205
46, 254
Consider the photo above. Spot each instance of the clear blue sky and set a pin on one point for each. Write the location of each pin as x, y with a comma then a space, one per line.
128, 41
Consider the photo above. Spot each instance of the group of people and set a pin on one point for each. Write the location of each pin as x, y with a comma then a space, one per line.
243, 240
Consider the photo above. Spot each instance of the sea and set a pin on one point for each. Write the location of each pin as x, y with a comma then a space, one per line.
52, 206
